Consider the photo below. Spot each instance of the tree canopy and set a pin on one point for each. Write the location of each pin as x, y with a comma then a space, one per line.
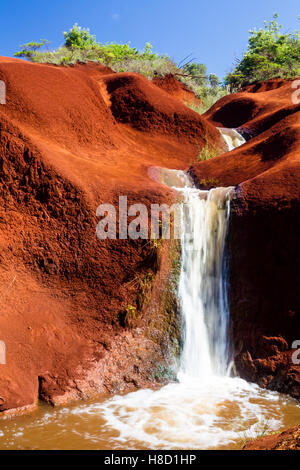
270, 54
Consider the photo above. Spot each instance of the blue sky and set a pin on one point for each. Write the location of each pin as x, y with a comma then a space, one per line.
213, 31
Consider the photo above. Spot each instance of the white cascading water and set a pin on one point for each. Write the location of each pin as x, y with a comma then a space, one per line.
202, 284
203, 277
232, 138
205, 408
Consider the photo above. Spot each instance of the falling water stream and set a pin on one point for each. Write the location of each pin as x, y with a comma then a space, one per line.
207, 407
202, 283
232, 138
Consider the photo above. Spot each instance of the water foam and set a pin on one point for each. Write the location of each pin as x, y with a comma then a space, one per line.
193, 414
232, 138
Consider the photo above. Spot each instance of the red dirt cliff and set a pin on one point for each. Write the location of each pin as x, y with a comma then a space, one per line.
75, 137
71, 139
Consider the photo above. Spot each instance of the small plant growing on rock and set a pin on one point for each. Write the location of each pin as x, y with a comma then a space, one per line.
208, 151
155, 243
209, 183
144, 288
131, 315
145, 282
162, 373
260, 429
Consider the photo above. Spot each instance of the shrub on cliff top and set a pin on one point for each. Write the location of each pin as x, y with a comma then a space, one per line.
79, 38
29, 50
81, 46
270, 54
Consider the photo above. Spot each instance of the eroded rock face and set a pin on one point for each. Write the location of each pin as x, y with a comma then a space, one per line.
145, 106
64, 149
264, 297
176, 89
264, 230
73, 138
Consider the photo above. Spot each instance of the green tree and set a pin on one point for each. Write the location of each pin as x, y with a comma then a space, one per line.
197, 72
30, 49
270, 54
79, 38
213, 80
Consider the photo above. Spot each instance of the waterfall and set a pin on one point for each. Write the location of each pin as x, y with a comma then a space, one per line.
206, 408
202, 283
232, 138
203, 276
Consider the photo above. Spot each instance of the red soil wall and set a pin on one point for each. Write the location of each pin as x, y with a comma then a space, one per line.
72, 138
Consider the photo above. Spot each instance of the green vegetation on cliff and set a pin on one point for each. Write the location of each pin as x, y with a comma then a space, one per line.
270, 54
80, 46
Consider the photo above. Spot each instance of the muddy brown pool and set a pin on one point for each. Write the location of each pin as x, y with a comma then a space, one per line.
222, 413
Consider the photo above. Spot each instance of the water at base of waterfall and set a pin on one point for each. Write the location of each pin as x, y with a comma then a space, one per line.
205, 408
214, 413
